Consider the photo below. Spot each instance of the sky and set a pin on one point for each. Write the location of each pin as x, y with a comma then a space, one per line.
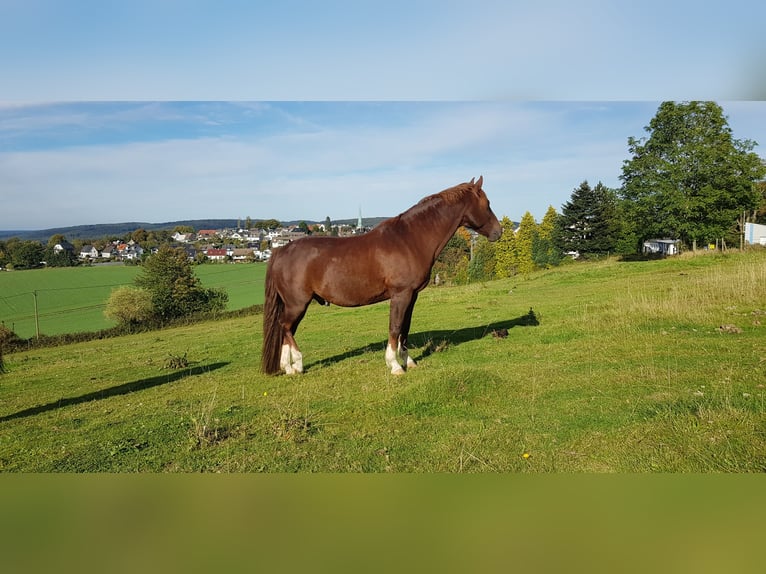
166, 110
80, 163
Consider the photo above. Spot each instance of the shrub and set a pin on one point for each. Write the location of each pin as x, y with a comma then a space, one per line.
130, 306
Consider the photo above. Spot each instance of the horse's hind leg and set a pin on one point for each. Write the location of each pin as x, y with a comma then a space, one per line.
291, 359
403, 349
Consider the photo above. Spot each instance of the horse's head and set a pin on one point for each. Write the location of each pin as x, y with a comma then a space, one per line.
478, 215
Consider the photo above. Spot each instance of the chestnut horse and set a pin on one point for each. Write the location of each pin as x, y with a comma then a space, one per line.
393, 261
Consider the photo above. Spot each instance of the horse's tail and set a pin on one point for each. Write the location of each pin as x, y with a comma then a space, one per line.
272, 329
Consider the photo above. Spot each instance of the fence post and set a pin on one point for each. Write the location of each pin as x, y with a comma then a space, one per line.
37, 317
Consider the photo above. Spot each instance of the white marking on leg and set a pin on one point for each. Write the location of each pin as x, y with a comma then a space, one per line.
404, 356
297, 360
284, 360
396, 368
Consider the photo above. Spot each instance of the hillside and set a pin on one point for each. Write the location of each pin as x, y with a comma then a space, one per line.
630, 367
72, 299
97, 231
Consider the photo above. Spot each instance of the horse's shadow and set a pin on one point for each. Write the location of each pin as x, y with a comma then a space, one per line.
430, 342
123, 389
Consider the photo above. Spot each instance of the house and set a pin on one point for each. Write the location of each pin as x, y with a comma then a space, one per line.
88, 252
243, 255
662, 246
63, 246
133, 252
190, 251
279, 242
755, 234
216, 254
207, 234
109, 252
183, 237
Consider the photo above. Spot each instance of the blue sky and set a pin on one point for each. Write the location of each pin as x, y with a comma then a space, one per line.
168, 109
98, 162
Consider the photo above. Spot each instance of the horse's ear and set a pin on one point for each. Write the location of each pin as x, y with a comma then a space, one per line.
471, 182
480, 182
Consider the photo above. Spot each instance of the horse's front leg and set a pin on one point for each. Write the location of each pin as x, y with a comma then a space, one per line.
400, 303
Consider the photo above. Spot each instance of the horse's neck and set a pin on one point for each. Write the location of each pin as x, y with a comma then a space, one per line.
444, 221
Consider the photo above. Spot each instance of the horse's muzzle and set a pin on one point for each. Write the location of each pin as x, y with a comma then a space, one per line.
495, 232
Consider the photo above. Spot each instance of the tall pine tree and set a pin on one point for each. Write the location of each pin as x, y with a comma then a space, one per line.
589, 223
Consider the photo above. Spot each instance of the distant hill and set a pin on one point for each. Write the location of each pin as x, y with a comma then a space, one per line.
107, 229
100, 230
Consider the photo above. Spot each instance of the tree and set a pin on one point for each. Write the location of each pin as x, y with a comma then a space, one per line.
130, 306
176, 291
589, 222
25, 254
270, 224
57, 238
452, 262
482, 265
689, 179
505, 250
759, 213
545, 250
525, 239
139, 236
605, 225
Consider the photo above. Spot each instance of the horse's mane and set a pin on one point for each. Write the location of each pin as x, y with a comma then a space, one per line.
426, 206
449, 196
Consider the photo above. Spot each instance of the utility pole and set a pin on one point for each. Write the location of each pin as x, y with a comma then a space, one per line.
742, 229
37, 317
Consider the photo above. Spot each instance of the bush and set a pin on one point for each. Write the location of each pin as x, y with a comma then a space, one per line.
7, 339
130, 306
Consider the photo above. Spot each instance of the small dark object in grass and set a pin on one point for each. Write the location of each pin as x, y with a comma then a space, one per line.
731, 329
499, 333
176, 362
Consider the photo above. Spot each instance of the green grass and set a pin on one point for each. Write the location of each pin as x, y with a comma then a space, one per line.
626, 370
72, 299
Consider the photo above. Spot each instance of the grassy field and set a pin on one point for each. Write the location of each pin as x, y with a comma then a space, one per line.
72, 299
640, 367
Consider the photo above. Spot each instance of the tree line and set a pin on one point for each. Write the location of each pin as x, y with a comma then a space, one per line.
687, 179
29, 254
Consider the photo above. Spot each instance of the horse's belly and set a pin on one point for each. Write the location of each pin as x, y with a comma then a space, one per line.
347, 296
350, 288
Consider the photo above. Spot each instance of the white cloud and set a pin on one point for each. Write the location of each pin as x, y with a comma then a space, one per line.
321, 162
